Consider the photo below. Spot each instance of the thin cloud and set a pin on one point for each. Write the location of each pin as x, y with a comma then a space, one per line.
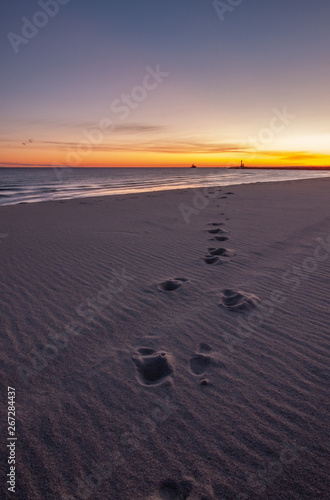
137, 128
175, 147
15, 164
307, 156
189, 145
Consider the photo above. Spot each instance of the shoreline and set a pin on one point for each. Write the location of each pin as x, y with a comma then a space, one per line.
31, 188
137, 193
167, 343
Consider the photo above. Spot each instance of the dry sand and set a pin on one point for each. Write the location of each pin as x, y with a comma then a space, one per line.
155, 359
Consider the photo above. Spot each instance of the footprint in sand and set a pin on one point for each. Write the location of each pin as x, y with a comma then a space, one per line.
217, 231
221, 238
238, 301
230, 192
204, 347
152, 368
146, 351
212, 259
171, 284
174, 490
216, 223
220, 251
199, 363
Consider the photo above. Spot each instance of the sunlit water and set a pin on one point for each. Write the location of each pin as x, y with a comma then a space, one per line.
28, 185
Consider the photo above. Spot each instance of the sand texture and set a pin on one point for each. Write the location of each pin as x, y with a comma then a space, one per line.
170, 345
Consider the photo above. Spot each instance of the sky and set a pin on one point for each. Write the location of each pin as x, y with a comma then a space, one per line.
154, 83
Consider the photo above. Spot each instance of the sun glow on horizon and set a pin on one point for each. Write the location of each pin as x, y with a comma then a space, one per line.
240, 90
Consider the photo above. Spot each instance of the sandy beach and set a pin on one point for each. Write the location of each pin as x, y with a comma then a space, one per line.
169, 345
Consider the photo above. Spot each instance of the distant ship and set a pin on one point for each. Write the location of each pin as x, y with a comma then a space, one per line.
193, 166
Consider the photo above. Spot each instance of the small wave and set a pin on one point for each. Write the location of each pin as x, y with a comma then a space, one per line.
33, 185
